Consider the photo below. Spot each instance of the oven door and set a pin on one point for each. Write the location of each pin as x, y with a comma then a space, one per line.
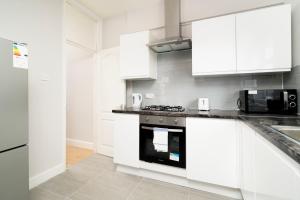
176, 150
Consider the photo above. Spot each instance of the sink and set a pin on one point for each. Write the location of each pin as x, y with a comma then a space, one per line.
290, 131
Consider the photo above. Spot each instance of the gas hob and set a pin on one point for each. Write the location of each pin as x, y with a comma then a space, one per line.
164, 108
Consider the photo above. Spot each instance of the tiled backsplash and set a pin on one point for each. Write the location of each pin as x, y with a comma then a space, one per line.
175, 84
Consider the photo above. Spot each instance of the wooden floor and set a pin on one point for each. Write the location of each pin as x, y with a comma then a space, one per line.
75, 154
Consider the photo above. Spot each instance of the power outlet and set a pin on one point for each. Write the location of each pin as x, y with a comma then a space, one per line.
149, 96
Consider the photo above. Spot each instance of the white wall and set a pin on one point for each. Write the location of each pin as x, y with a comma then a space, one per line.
81, 45
80, 66
40, 24
80, 27
153, 17
112, 28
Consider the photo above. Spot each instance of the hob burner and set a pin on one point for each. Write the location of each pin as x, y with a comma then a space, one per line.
164, 108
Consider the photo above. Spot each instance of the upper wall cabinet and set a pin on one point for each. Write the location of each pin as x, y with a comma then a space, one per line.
214, 46
264, 40
251, 42
137, 61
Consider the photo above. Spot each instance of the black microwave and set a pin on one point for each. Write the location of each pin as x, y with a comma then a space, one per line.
278, 101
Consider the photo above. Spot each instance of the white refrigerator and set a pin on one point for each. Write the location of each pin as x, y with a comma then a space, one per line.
14, 176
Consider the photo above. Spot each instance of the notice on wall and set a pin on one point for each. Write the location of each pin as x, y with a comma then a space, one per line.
20, 55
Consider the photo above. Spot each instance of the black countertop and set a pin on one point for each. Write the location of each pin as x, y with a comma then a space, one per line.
259, 122
226, 114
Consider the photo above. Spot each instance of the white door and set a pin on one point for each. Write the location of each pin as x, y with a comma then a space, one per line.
214, 47
110, 94
264, 39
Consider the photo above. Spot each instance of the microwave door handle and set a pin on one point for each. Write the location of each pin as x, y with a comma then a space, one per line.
285, 100
169, 130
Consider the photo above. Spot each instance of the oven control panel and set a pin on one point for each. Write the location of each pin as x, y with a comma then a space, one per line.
163, 120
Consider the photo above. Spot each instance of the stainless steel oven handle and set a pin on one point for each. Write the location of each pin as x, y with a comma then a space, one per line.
169, 130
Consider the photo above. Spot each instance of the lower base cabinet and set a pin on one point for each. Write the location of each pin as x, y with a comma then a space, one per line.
212, 151
222, 152
247, 178
266, 172
275, 176
126, 140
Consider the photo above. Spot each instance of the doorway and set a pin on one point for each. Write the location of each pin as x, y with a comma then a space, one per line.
80, 65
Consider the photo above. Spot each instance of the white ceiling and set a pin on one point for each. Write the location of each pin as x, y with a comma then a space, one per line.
108, 8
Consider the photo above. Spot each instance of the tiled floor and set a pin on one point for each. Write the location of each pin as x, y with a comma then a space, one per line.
75, 154
95, 178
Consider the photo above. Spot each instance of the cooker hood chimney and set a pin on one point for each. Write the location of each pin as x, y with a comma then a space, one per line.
173, 39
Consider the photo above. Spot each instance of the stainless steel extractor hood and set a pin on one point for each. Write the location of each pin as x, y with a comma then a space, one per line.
173, 40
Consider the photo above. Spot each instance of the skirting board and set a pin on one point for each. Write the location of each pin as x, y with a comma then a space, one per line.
80, 143
228, 192
46, 175
105, 150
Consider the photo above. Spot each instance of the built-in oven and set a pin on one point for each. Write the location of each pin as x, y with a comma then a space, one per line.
163, 140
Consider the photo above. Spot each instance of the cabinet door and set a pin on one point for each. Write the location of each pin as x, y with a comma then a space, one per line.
126, 140
264, 40
212, 151
214, 49
137, 61
297, 184
276, 178
247, 163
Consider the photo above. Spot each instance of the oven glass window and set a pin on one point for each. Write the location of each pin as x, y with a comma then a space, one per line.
172, 154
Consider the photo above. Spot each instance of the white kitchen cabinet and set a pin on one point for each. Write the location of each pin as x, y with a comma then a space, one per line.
126, 140
276, 175
264, 40
297, 183
267, 173
212, 151
214, 46
250, 42
137, 61
247, 178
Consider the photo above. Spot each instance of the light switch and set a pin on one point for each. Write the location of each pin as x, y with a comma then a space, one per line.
45, 77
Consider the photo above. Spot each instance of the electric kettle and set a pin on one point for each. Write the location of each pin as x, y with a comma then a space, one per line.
137, 99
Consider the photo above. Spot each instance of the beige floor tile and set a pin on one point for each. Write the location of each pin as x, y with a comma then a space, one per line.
155, 190
201, 195
109, 186
79, 196
63, 185
97, 162
39, 194
83, 174
95, 178
96, 191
